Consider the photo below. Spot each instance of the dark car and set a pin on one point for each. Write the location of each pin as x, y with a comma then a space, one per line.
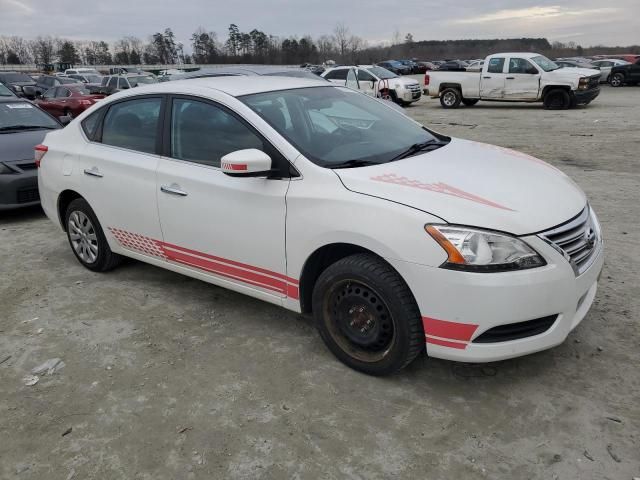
22, 126
416, 67
454, 66
91, 81
250, 70
17, 81
395, 67
46, 82
67, 100
625, 74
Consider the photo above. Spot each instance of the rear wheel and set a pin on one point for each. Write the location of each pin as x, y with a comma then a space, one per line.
617, 80
557, 99
450, 98
469, 102
87, 239
367, 316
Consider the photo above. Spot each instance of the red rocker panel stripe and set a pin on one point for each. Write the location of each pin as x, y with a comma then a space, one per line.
444, 343
451, 330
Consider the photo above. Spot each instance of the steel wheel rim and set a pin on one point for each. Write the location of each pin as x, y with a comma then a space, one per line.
83, 237
449, 99
359, 320
615, 80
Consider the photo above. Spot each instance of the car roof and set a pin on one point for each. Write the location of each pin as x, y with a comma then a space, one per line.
232, 85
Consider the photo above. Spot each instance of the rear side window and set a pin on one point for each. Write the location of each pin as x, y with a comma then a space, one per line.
90, 124
204, 133
133, 124
496, 65
340, 74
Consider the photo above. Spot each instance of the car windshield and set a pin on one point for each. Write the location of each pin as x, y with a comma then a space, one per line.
66, 81
23, 116
381, 72
80, 90
16, 77
5, 92
93, 78
544, 63
140, 79
333, 126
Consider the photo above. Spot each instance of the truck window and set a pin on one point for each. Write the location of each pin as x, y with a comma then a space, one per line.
519, 65
496, 65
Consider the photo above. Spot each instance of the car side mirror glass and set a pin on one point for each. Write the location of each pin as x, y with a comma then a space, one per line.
29, 91
250, 162
65, 119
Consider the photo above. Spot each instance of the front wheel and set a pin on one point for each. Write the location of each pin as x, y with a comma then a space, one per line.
469, 102
367, 316
617, 80
450, 98
557, 99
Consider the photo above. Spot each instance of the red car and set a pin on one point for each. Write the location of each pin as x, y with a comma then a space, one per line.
69, 100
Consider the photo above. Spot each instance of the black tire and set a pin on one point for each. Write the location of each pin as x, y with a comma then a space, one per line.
616, 80
105, 259
469, 102
367, 316
557, 99
450, 98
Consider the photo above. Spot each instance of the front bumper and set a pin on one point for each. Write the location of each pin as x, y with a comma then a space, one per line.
408, 95
18, 190
458, 307
586, 96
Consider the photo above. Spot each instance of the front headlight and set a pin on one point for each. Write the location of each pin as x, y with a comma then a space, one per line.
475, 250
583, 83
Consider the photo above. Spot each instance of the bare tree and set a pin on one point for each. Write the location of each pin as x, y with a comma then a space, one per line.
341, 35
396, 38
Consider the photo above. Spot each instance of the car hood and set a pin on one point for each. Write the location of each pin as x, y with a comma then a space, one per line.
19, 145
402, 81
571, 73
475, 184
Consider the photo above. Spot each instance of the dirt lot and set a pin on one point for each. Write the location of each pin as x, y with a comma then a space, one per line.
170, 378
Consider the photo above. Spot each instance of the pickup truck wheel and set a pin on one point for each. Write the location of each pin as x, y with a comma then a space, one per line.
557, 99
617, 80
469, 102
450, 98
87, 239
367, 316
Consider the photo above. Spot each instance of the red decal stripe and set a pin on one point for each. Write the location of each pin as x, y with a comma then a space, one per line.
444, 343
293, 292
235, 166
445, 329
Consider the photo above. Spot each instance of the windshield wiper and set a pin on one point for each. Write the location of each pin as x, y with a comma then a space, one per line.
25, 127
354, 163
418, 147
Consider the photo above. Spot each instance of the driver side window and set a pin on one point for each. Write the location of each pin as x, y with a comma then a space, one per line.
519, 65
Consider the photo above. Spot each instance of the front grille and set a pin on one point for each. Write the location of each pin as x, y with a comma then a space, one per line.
516, 331
27, 195
594, 81
577, 240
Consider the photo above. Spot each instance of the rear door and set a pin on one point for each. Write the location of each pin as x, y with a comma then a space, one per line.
230, 229
522, 81
119, 166
493, 78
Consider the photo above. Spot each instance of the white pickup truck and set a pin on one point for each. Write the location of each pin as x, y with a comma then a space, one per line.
515, 77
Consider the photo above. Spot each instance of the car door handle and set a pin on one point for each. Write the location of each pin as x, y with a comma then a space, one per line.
511, 78
173, 189
486, 77
93, 172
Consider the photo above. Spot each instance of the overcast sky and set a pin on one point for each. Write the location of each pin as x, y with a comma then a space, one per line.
586, 22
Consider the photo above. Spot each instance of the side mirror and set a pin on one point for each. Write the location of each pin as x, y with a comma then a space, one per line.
65, 119
29, 91
246, 163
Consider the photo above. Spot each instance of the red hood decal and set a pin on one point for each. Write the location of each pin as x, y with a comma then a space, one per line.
439, 187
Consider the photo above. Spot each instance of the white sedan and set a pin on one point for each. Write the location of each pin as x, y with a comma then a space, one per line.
605, 67
323, 200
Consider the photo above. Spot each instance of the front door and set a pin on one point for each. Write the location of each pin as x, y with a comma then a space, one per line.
522, 81
492, 81
119, 170
367, 82
231, 229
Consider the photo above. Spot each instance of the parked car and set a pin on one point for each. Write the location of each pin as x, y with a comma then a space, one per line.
428, 66
416, 67
366, 219
475, 66
628, 74
375, 81
575, 64
605, 66
17, 82
67, 100
81, 71
454, 66
22, 125
91, 82
522, 77
47, 82
248, 70
116, 83
395, 67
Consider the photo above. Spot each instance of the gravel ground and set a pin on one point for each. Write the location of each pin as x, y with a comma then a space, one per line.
167, 377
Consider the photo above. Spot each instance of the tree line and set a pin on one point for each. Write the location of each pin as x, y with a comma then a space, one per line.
256, 46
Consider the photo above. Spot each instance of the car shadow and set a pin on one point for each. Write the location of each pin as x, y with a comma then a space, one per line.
21, 215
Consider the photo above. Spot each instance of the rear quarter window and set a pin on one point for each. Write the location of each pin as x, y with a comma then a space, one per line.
91, 123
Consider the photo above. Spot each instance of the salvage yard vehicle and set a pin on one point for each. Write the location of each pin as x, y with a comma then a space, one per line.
22, 125
18, 82
372, 80
320, 199
67, 100
605, 65
628, 74
117, 83
516, 77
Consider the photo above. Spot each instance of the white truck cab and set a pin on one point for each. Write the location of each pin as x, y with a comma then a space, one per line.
515, 77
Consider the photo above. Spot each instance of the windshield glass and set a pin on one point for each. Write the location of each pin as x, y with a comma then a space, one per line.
381, 72
23, 114
80, 90
16, 77
545, 64
140, 79
93, 78
334, 125
5, 92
